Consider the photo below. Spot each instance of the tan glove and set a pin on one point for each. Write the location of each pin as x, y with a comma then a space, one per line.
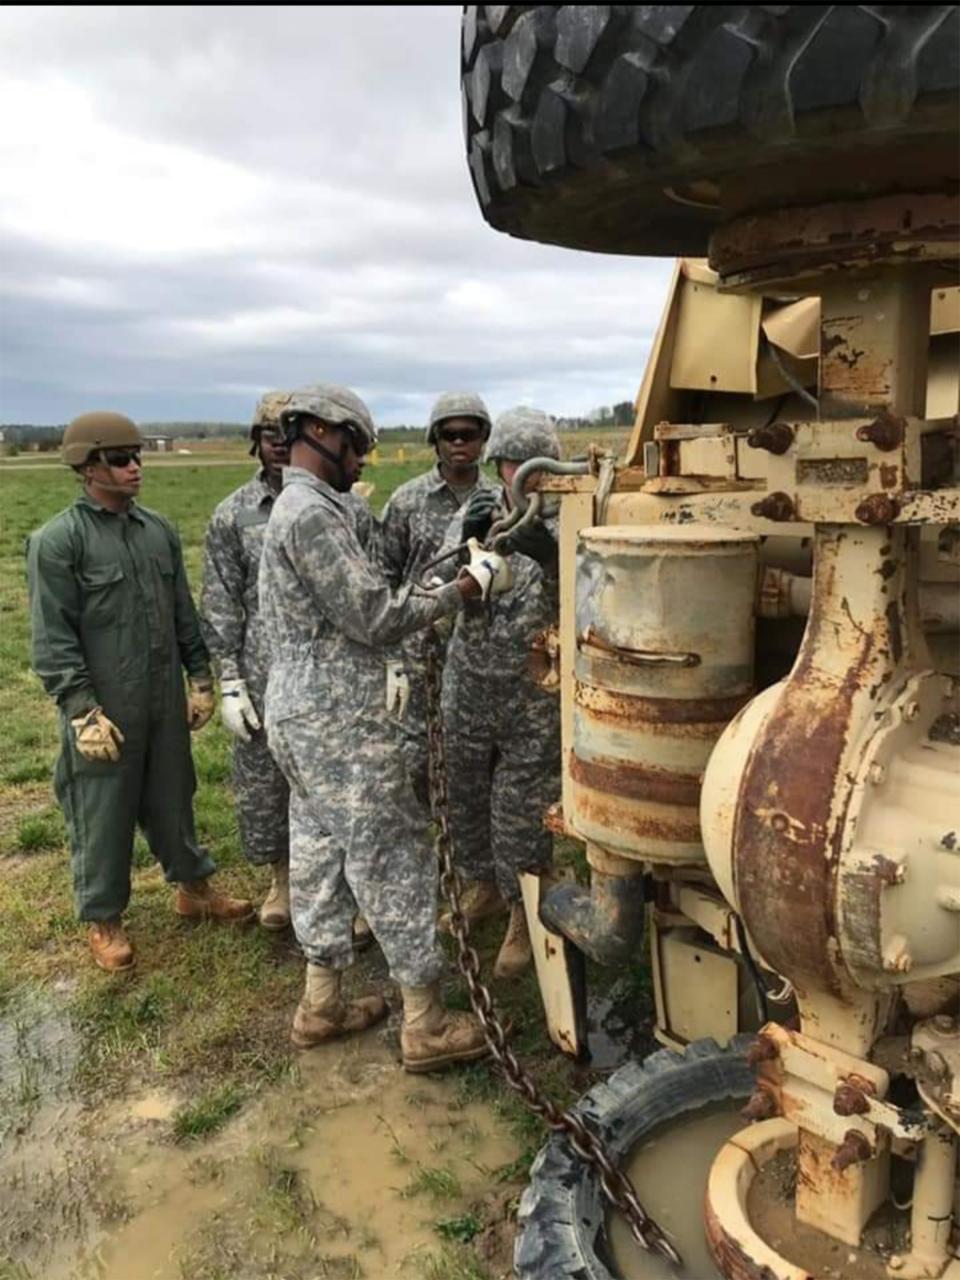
200, 702
97, 737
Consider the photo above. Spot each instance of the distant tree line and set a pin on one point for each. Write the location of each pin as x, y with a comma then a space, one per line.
48, 438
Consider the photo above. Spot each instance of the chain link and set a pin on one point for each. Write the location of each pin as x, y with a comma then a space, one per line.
616, 1186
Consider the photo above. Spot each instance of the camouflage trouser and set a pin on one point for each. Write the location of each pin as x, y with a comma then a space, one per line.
358, 839
503, 766
413, 729
263, 801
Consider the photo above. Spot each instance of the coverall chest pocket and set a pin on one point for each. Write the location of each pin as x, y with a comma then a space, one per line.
104, 596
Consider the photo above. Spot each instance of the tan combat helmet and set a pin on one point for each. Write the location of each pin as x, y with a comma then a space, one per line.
267, 414
98, 430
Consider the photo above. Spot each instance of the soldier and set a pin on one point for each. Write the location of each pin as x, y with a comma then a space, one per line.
501, 729
231, 627
113, 626
413, 526
358, 837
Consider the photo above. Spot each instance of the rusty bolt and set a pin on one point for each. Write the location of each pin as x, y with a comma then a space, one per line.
944, 1024
876, 773
775, 506
762, 1106
879, 508
850, 1101
763, 1049
886, 432
854, 1149
775, 437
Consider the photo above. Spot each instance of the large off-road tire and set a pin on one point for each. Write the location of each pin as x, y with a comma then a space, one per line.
639, 128
561, 1232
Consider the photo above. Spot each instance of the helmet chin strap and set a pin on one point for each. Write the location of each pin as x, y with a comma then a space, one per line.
335, 460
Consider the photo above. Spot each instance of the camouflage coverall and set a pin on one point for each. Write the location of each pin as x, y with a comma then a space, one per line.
501, 730
412, 528
114, 625
358, 837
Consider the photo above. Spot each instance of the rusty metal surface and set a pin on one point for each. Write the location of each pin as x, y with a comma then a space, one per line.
701, 714
786, 244
663, 659
619, 777
786, 832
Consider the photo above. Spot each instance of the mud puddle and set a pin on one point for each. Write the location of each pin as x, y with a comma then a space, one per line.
346, 1171
670, 1174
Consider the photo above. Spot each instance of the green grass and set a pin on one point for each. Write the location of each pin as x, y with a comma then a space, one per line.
208, 1114
437, 1183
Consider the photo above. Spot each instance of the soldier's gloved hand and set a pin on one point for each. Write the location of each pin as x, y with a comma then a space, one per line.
97, 737
200, 702
535, 540
490, 571
478, 514
236, 710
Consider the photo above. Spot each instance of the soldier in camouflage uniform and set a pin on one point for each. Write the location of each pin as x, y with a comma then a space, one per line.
501, 729
358, 836
413, 526
234, 636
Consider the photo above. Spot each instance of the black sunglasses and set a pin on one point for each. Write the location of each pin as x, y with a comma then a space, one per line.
120, 457
469, 435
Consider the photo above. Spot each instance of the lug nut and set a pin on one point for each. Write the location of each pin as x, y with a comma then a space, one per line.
879, 508
775, 506
763, 1049
762, 1106
775, 437
850, 1101
854, 1149
885, 432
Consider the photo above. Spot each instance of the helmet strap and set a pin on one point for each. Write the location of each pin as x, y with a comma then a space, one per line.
335, 460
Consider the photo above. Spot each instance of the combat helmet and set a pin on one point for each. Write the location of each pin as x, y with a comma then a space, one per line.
457, 404
339, 406
267, 414
522, 433
98, 430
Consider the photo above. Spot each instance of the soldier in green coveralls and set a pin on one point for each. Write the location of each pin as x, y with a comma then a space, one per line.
113, 628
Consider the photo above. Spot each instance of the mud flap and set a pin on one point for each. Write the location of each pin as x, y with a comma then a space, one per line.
561, 969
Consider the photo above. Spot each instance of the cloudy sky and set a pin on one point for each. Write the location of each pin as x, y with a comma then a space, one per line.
198, 204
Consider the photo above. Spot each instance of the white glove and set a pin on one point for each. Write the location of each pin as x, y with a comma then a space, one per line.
490, 570
236, 710
398, 688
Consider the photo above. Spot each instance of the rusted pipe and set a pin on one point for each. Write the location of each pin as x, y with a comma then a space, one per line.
781, 594
605, 921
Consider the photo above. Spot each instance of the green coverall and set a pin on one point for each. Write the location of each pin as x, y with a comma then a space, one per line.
113, 622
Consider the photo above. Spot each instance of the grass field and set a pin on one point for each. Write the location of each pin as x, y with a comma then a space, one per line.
207, 1010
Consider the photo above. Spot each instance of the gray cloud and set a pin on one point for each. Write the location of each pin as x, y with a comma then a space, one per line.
200, 203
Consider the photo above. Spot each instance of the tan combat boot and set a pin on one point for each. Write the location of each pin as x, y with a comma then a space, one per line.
275, 912
516, 952
198, 900
480, 900
433, 1037
110, 946
323, 1015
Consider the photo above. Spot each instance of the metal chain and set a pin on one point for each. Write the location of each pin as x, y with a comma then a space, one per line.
616, 1186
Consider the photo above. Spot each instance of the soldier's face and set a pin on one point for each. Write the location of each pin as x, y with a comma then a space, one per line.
116, 471
352, 462
459, 442
274, 451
